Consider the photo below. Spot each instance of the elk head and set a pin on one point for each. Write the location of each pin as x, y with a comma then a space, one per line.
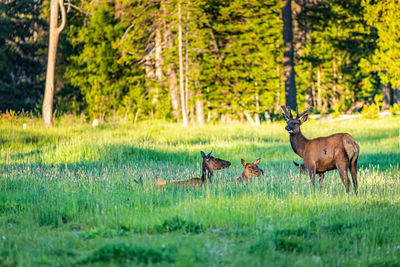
293, 124
250, 170
210, 164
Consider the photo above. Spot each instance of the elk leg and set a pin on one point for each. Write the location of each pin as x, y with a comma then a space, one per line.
344, 176
353, 171
210, 173
312, 172
321, 180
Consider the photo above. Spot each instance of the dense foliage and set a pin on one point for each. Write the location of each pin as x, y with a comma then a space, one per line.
120, 58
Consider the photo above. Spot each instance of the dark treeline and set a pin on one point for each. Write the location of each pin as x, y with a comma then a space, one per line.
201, 60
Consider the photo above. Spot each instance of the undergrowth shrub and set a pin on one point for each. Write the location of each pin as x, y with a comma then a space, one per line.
124, 253
178, 224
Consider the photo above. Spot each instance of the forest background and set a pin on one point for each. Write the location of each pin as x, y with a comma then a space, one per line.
201, 60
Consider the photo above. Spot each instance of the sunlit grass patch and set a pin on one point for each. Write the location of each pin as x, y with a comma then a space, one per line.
68, 195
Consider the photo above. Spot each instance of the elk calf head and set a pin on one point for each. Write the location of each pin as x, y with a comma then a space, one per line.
250, 170
210, 164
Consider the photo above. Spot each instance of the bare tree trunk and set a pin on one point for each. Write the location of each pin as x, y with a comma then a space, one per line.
257, 115
334, 88
288, 62
172, 76
319, 91
278, 86
313, 96
47, 108
187, 68
249, 118
136, 116
171, 67
199, 110
158, 55
387, 96
184, 112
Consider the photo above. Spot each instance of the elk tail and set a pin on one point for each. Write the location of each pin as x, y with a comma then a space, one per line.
296, 164
351, 147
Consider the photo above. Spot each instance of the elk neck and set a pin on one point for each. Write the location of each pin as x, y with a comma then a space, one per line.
298, 143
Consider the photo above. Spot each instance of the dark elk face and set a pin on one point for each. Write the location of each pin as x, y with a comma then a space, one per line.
212, 163
293, 124
204, 156
251, 169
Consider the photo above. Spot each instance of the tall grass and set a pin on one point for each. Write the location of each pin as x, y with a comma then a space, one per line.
68, 197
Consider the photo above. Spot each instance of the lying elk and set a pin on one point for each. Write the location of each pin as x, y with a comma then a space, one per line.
250, 170
210, 164
338, 151
193, 181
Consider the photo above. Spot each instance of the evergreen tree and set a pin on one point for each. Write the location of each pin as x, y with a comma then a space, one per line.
22, 41
385, 17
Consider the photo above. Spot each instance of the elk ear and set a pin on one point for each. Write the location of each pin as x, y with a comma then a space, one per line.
304, 119
243, 162
257, 161
209, 155
202, 154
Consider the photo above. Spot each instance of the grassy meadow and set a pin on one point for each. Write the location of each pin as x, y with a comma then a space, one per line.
68, 197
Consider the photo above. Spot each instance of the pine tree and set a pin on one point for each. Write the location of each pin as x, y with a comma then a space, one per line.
22, 40
385, 17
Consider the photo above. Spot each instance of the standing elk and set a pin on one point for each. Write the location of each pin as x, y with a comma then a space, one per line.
250, 170
210, 164
338, 151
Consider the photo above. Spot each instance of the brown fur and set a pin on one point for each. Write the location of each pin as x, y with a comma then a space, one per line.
250, 170
338, 151
210, 164
190, 182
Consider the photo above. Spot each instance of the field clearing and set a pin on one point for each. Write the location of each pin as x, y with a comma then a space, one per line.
68, 197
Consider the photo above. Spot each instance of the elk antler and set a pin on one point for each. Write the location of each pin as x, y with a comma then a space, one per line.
287, 113
298, 116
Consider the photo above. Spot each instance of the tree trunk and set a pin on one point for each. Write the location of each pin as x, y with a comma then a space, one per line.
187, 68
319, 91
288, 62
249, 118
334, 87
386, 96
184, 112
313, 95
199, 110
47, 108
158, 57
172, 76
257, 115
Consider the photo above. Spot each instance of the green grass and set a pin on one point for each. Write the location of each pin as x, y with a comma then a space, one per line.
68, 197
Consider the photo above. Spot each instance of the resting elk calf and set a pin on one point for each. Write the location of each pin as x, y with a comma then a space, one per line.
190, 182
250, 170
338, 151
210, 164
